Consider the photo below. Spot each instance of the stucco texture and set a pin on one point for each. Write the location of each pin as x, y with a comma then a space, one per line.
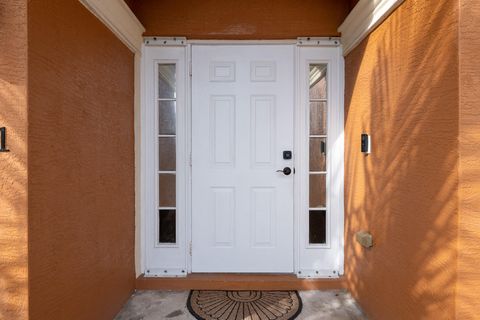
402, 88
81, 168
468, 286
249, 19
13, 164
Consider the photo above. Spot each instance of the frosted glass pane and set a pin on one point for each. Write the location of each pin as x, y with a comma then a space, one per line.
317, 156
166, 117
318, 118
166, 81
317, 191
166, 154
167, 190
318, 81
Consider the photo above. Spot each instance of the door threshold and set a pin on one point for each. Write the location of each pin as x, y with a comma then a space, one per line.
234, 281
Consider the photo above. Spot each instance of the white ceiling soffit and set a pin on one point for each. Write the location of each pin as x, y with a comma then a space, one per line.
118, 17
363, 19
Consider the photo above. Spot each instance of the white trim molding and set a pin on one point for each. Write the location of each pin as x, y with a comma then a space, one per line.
118, 17
363, 19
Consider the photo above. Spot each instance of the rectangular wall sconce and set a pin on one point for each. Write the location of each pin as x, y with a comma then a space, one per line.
3, 140
366, 144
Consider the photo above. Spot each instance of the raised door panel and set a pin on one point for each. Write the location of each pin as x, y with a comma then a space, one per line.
262, 118
222, 130
263, 217
223, 209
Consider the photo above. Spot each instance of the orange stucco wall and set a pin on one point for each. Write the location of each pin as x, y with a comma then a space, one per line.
249, 19
402, 88
81, 164
468, 293
13, 165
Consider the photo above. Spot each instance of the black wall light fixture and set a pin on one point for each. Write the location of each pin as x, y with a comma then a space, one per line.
3, 140
366, 144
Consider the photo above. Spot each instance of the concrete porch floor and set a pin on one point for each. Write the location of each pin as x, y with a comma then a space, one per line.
155, 305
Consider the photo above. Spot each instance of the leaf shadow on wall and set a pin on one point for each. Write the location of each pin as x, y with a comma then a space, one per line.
13, 201
402, 88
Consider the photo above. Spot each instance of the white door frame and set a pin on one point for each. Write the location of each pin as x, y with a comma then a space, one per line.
336, 127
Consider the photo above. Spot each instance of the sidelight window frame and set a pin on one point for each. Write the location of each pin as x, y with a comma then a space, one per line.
324, 260
164, 259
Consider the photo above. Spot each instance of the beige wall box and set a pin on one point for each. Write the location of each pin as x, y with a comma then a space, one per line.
364, 238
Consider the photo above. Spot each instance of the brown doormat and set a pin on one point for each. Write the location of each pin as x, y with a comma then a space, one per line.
243, 305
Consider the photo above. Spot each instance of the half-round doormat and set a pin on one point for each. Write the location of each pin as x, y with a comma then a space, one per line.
243, 305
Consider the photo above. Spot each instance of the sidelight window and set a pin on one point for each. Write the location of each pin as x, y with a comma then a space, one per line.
317, 218
166, 104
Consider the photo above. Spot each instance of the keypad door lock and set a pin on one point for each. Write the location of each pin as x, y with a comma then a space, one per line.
287, 155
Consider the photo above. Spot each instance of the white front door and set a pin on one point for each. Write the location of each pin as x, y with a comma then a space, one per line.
242, 123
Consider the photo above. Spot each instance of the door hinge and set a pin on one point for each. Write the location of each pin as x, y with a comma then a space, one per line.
190, 248
190, 160
190, 68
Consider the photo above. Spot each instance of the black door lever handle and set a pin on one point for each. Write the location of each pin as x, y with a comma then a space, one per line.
286, 171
